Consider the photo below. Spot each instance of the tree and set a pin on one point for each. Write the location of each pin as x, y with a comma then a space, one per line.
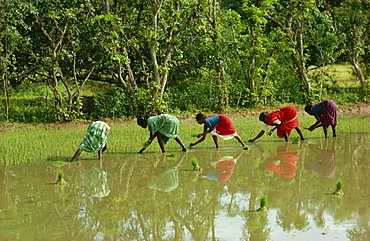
64, 52
143, 38
290, 19
11, 25
350, 22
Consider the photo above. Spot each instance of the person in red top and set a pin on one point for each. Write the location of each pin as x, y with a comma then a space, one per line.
284, 120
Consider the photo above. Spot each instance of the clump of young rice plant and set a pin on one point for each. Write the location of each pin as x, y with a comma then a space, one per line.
171, 155
59, 163
60, 180
296, 141
195, 164
263, 204
339, 190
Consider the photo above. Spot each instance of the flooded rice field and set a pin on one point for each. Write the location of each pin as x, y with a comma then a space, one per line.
153, 196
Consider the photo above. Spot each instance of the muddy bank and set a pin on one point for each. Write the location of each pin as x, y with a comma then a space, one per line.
355, 110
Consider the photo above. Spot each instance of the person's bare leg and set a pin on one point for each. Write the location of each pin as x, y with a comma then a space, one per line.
325, 131
100, 152
104, 148
161, 142
285, 136
299, 132
215, 140
240, 140
334, 129
178, 140
76, 155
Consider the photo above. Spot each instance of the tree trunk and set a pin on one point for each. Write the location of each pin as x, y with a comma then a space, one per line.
5, 74
353, 59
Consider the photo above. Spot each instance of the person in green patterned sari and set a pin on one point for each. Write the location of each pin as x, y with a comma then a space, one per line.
95, 139
164, 127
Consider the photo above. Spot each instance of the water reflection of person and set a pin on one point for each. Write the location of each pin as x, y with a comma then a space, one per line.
283, 163
222, 168
95, 181
166, 181
323, 161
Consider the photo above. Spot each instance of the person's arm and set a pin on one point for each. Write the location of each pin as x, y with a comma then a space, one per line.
152, 136
258, 136
210, 129
272, 130
317, 124
202, 136
317, 112
199, 141
277, 124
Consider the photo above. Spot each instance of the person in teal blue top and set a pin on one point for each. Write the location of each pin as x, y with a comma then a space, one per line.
219, 126
164, 127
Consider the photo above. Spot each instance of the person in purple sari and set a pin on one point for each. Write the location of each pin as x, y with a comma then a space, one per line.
325, 113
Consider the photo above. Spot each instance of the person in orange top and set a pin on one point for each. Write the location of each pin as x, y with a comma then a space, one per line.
284, 120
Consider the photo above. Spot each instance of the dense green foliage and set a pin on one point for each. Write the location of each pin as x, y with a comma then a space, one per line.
175, 56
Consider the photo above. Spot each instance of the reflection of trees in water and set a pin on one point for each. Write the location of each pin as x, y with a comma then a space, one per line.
345, 158
255, 224
360, 161
256, 227
194, 207
363, 231
291, 216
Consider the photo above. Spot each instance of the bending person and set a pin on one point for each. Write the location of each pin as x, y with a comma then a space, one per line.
95, 139
218, 126
326, 115
284, 120
164, 127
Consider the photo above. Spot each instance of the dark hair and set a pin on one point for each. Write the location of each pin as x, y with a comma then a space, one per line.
263, 116
199, 116
308, 108
141, 120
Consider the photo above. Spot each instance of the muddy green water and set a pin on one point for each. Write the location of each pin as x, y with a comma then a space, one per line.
130, 196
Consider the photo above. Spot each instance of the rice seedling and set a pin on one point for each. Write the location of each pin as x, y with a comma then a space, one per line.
339, 187
263, 204
171, 155
60, 180
195, 164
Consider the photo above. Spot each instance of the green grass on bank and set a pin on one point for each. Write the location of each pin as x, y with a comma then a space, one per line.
342, 75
